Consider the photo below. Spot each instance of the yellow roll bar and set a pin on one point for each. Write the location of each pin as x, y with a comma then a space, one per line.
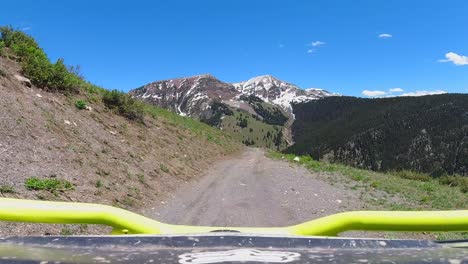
126, 222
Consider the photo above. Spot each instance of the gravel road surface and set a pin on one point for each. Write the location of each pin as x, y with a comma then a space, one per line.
253, 190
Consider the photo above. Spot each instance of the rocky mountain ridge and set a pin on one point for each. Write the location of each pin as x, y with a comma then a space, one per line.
191, 96
275, 91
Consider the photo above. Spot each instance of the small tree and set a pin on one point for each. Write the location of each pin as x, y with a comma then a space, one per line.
124, 104
243, 123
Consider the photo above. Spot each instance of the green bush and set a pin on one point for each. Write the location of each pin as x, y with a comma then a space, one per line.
124, 104
81, 104
63, 79
51, 185
98, 184
66, 232
35, 64
93, 89
412, 175
243, 123
57, 77
37, 67
7, 189
13, 37
164, 168
2, 47
455, 180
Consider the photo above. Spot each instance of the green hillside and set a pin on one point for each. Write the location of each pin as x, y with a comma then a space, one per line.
251, 131
426, 134
261, 124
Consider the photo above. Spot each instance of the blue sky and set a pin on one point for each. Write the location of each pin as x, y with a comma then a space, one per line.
349, 47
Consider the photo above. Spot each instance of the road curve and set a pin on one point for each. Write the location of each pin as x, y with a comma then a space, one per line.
253, 190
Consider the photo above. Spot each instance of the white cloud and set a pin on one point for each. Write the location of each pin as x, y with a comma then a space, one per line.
395, 90
391, 93
385, 35
317, 43
422, 93
281, 46
26, 28
374, 93
455, 58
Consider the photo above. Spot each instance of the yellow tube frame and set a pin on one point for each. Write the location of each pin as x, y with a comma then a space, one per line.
126, 222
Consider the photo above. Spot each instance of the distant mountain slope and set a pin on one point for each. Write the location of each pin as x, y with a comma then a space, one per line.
192, 95
257, 111
188, 96
426, 134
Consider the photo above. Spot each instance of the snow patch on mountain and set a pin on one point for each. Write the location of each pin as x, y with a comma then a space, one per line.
273, 90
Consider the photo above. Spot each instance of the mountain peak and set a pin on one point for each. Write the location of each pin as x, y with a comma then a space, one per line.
180, 79
265, 77
276, 91
266, 81
206, 75
193, 95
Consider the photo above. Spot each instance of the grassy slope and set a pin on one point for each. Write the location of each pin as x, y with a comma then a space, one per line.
258, 133
398, 193
202, 130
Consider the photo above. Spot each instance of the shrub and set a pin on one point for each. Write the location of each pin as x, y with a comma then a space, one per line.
124, 104
98, 184
412, 175
66, 232
93, 89
13, 37
62, 79
37, 67
128, 201
248, 142
163, 168
51, 185
243, 123
2, 46
455, 180
141, 178
80, 104
35, 64
6, 189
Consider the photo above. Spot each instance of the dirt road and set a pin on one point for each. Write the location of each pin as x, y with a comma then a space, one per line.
252, 190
